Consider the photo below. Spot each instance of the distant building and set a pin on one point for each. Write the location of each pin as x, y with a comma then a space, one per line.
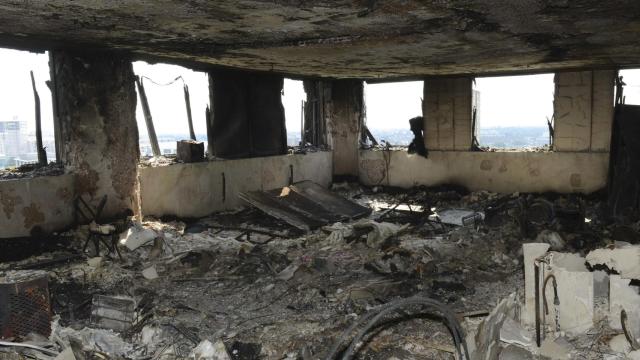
475, 105
12, 137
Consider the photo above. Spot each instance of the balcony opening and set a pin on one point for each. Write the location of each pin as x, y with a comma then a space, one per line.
164, 88
18, 145
293, 96
514, 112
631, 79
389, 106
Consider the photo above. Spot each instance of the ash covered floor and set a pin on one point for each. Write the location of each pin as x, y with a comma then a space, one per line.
208, 288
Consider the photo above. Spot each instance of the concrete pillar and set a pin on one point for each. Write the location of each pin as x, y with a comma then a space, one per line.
345, 114
583, 110
447, 113
96, 105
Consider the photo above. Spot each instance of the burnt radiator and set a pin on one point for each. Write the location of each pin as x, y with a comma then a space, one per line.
24, 304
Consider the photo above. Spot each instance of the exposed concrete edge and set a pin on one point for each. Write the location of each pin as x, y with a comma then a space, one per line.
503, 172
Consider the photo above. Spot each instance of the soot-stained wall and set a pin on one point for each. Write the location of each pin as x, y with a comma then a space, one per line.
96, 106
247, 115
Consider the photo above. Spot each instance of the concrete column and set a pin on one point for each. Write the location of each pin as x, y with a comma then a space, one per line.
96, 105
447, 113
344, 114
583, 110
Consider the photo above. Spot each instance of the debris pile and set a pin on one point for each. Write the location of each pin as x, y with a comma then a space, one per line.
416, 277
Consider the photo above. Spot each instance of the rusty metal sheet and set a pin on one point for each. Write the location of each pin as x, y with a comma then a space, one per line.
305, 205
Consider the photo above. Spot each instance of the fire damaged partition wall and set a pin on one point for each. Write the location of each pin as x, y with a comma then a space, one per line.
624, 166
247, 116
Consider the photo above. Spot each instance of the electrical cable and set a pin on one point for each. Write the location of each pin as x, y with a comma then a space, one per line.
165, 84
375, 315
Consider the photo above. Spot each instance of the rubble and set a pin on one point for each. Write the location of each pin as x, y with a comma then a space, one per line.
29, 171
240, 285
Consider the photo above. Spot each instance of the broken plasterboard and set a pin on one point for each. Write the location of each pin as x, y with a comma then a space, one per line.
305, 205
459, 216
624, 258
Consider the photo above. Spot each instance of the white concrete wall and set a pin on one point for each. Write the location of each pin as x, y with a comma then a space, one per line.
503, 172
45, 202
583, 110
194, 190
447, 113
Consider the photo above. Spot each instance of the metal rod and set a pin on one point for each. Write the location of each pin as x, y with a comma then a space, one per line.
210, 118
207, 117
42, 154
302, 141
187, 103
536, 274
155, 148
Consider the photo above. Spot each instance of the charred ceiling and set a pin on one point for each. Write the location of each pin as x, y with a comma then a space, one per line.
363, 39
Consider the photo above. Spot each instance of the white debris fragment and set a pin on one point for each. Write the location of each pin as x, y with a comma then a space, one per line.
624, 259
105, 341
455, 216
207, 350
622, 295
150, 273
338, 232
486, 339
288, 272
555, 349
136, 236
379, 231
150, 335
101, 229
620, 344
634, 355
512, 333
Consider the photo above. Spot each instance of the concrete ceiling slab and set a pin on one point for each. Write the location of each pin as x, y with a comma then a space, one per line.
366, 39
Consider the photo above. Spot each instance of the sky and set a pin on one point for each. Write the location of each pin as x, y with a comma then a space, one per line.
515, 101
166, 103
505, 101
391, 105
16, 93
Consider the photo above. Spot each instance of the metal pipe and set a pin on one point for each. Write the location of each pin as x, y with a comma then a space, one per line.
187, 103
556, 300
302, 140
42, 154
153, 139
536, 274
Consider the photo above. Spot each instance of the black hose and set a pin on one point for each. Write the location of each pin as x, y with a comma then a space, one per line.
375, 315
556, 300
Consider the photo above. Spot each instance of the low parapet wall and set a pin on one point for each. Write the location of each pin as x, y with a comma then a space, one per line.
503, 172
198, 189
41, 203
